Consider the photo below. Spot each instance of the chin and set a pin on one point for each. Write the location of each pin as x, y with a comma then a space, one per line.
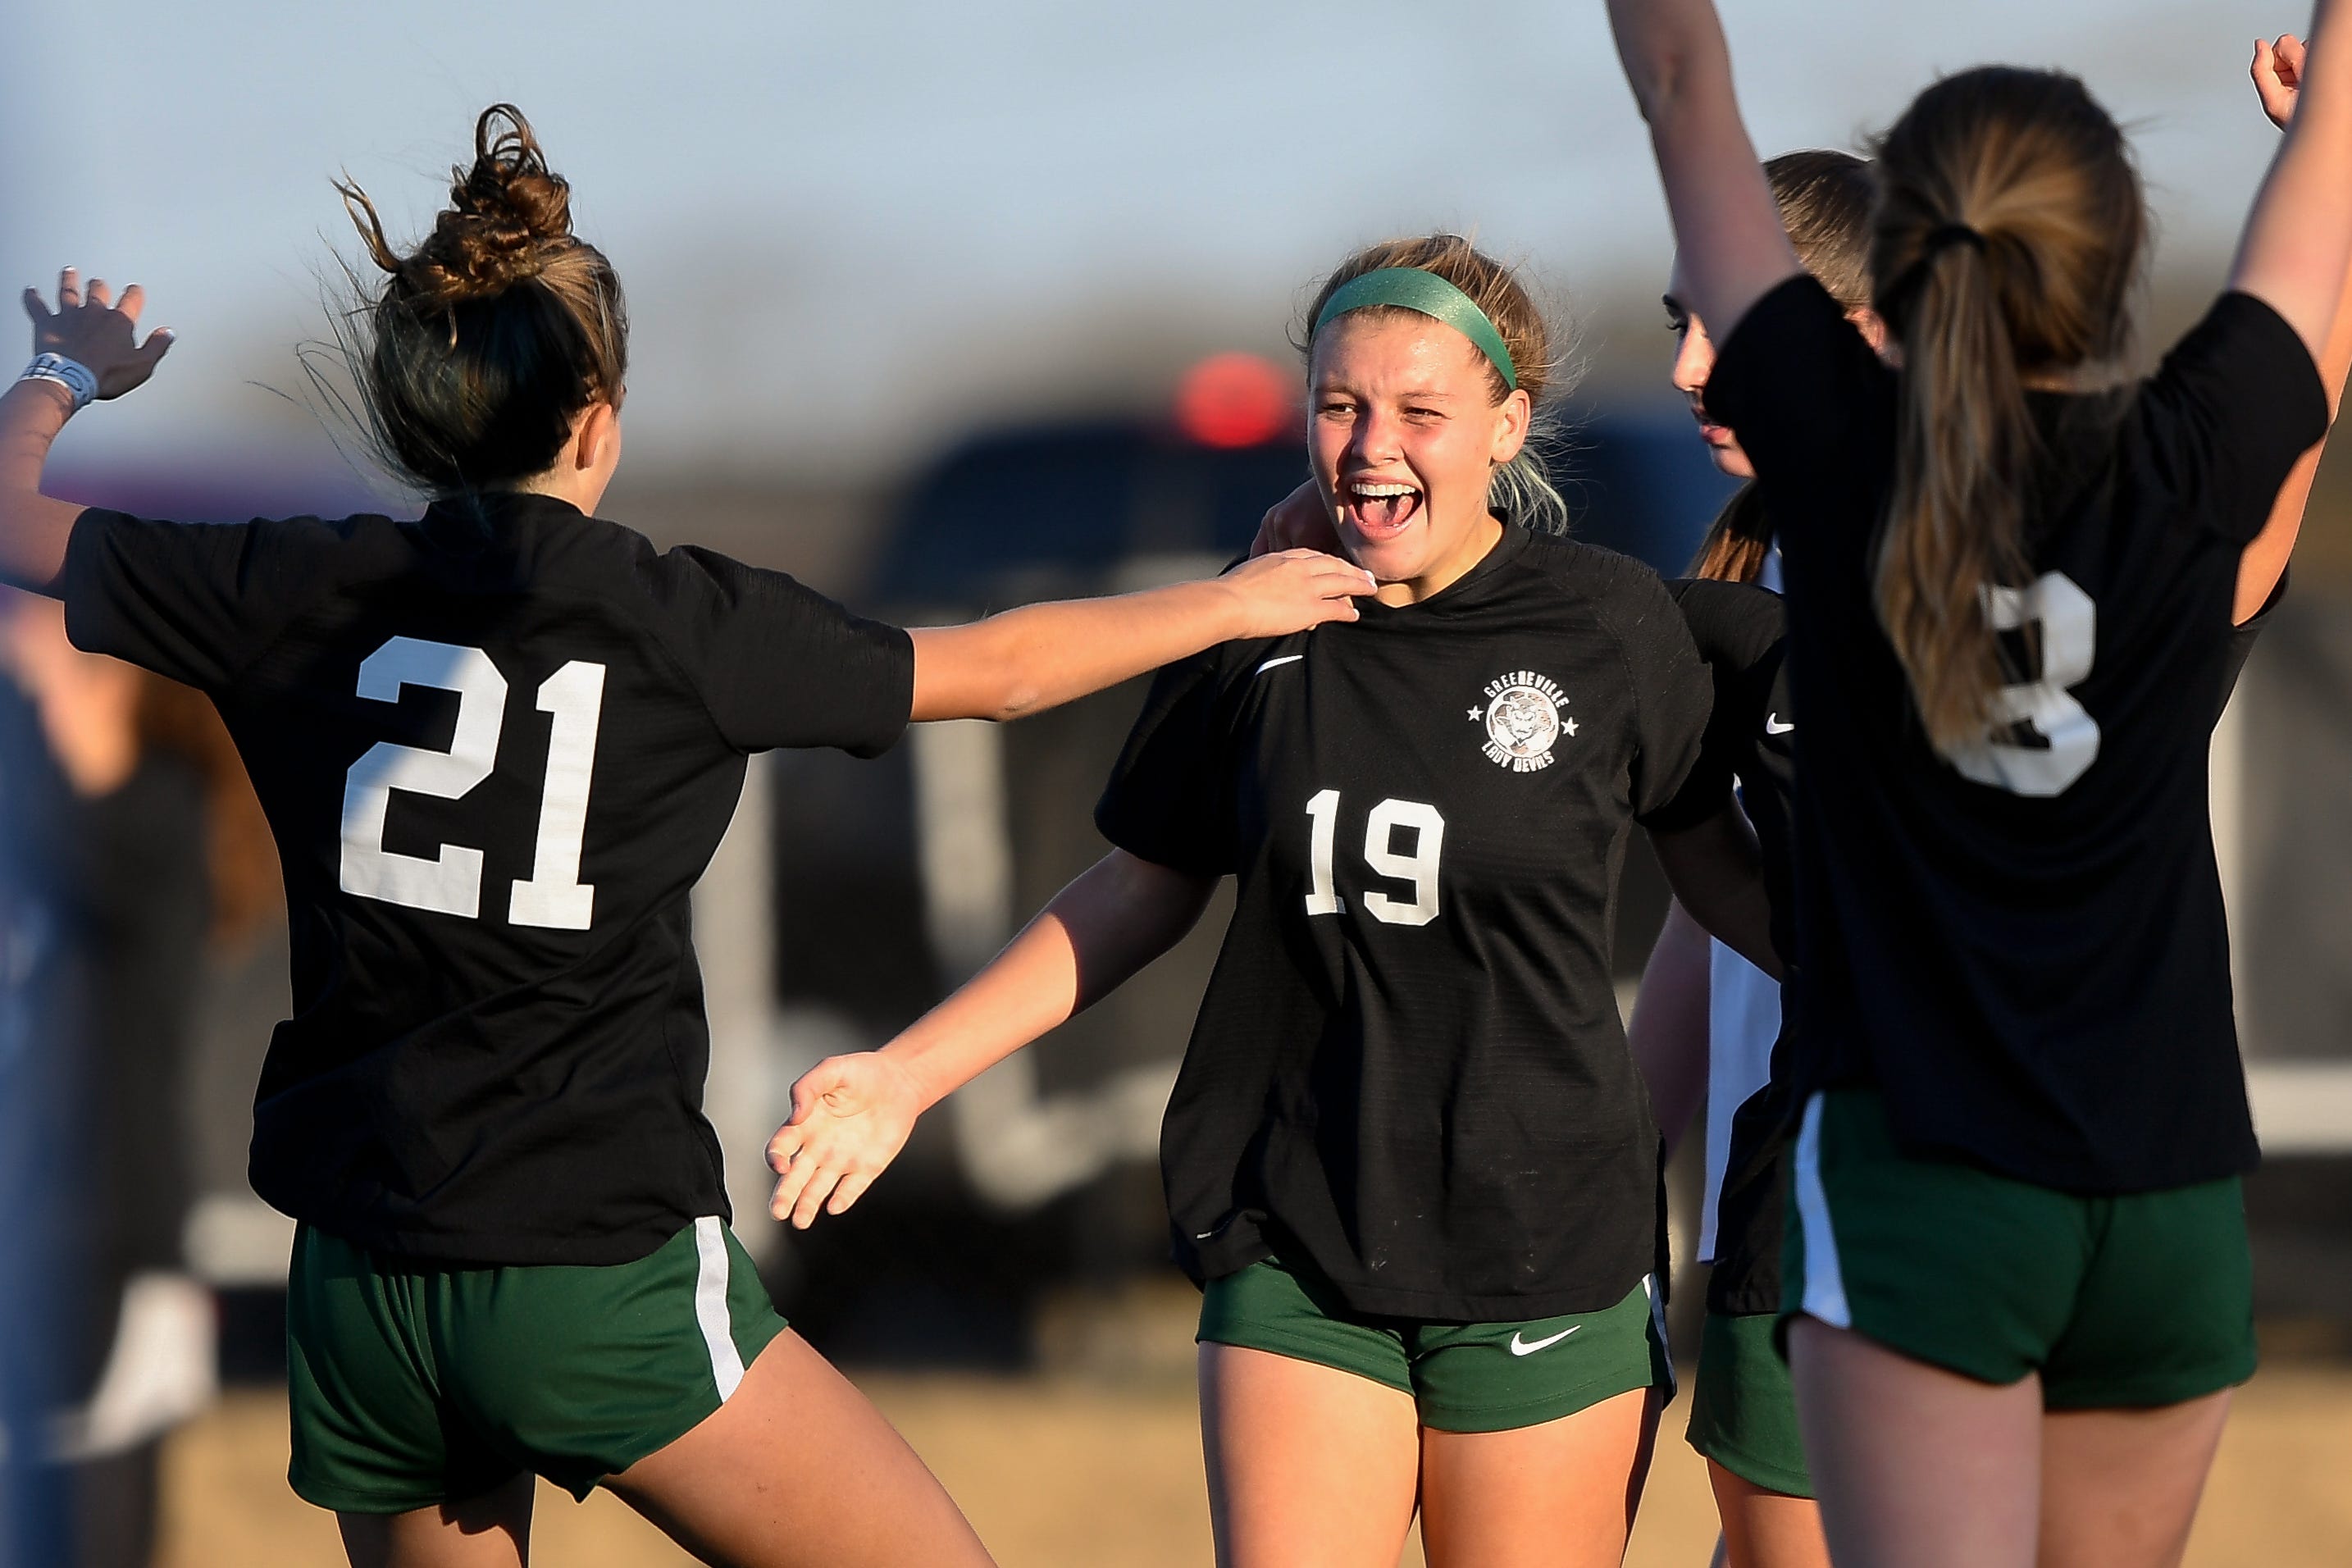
1731, 462
1399, 560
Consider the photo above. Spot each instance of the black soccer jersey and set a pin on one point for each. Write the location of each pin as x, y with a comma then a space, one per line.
497, 752
1408, 1072
2024, 947
1741, 634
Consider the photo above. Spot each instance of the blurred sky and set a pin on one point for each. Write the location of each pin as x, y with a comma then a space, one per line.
849, 232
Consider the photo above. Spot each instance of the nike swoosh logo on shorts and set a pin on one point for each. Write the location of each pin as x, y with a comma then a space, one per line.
1286, 658
1521, 1347
1772, 725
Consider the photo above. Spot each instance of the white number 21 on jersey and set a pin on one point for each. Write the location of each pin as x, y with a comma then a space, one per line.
2070, 624
451, 883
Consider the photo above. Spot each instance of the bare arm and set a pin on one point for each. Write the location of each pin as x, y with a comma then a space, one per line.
100, 333
1716, 871
2278, 77
2298, 238
1041, 655
1668, 1032
1733, 248
852, 1114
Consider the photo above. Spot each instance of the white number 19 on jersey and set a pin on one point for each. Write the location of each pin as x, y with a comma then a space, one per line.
451, 883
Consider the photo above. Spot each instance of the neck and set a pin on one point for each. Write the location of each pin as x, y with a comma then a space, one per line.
1477, 542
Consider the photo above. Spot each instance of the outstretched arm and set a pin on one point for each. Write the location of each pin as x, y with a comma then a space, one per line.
2278, 77
852, 1114
2298, 238
1732, 245
100, 333
1041, 655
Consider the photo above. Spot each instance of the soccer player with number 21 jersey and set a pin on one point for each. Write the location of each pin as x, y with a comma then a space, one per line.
498, 744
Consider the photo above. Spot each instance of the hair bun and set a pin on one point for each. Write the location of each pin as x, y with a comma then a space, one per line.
507, 214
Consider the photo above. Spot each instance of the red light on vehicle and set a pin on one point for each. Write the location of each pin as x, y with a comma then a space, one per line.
1236, 400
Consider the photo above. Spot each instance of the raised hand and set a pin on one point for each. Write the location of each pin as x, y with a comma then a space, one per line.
1295, 589
2278, 76
95, 330
851, 1115
1299, 520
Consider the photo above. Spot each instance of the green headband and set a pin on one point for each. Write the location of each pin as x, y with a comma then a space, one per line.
1412, 289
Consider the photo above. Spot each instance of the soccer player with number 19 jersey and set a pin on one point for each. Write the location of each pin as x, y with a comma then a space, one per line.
1408, 1156
498, 744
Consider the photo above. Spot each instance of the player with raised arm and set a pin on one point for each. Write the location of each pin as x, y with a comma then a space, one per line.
1408, 1154
2020, 1290
498, 744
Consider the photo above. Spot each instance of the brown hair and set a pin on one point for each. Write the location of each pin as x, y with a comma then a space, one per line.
1824, 199
1521, 490
2005, 244
485, 343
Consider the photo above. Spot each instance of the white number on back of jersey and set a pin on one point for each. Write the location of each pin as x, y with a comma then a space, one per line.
451, 883
1417, 865
2069, 623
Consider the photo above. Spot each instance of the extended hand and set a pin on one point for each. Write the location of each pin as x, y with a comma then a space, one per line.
94, 330
851, 1116
2278, 76
1299, 520
1296, 589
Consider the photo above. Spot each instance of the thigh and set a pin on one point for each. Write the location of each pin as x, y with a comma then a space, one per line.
797, 1470
488, 1531
2119, 1487
1310, 1466
1764, 1529
1915, 1466
1557, 1495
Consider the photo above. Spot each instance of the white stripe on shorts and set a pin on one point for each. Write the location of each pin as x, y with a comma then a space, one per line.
710, 1305
1824, 1280
1658, 1323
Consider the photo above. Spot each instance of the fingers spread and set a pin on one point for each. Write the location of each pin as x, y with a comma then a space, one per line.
99, 294
133, 300
68, 290
38, 308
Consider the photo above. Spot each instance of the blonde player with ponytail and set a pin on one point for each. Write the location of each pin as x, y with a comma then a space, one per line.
2019, 1288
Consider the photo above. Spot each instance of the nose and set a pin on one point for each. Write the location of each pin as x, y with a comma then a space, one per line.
1693, 361
1377, 437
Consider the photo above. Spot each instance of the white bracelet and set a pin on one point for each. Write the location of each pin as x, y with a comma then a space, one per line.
73, 375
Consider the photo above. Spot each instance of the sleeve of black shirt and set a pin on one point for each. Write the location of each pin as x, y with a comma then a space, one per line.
1676, 782
2229, 411
194, 601
1170, 798
1737, 627
778, 664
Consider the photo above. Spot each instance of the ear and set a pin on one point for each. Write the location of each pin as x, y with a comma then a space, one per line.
1512, 418
596, 437
1871, 325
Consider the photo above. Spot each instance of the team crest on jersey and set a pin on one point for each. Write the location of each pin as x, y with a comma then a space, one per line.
1523, 720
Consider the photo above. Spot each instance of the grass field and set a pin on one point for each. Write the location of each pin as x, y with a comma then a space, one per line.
1072, 1472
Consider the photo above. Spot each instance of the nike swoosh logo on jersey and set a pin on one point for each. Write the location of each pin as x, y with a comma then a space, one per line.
1772, 725
1521, 1347
1286, 658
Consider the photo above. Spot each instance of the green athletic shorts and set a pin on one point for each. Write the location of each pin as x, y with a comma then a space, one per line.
1462, 1377
2128, 1301
1743, 1410
415, 1386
